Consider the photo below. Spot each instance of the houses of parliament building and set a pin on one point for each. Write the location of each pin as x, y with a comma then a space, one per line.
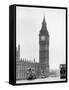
22, 65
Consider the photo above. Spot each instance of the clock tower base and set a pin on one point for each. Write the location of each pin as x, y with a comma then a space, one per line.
43, 71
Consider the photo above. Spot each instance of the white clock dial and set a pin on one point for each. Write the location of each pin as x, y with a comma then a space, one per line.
42, 37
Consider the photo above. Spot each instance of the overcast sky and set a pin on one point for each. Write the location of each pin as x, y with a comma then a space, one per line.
28, 25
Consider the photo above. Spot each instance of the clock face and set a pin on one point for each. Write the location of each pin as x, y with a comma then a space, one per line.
42, 37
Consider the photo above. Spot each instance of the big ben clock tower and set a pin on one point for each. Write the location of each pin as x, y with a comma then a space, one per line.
44, 49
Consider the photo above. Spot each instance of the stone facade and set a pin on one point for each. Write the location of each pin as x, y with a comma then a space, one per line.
22, 66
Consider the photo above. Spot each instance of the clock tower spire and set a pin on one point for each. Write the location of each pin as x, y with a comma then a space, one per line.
44, 49
44, 22
44, 28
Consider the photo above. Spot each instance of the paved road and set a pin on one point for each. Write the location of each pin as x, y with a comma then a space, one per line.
49, 79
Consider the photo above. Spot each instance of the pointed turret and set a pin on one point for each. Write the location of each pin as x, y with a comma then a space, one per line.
44, 28
44, 22
19, 51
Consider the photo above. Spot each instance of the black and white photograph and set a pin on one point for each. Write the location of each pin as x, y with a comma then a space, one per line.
34, 44
40, 45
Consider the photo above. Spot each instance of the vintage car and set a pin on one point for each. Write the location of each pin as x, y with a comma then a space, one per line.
42, 75
31, 74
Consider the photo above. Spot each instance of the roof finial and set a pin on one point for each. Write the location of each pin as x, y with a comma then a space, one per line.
44, 22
